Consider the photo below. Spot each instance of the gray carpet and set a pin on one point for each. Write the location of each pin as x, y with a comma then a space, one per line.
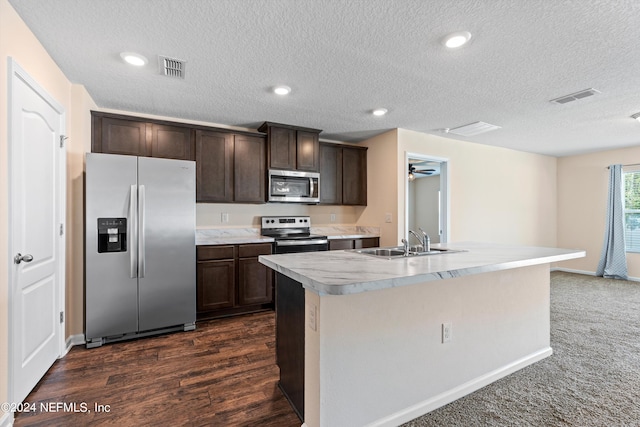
592, 378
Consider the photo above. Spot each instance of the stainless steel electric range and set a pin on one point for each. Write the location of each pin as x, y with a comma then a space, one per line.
292, 234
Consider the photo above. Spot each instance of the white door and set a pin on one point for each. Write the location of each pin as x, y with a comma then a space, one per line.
36, 214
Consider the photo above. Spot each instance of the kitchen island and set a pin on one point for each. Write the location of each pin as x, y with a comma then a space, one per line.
383, 341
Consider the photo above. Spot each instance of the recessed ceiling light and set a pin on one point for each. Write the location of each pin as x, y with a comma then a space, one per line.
282, 90
456, 39
133, 59
379, 112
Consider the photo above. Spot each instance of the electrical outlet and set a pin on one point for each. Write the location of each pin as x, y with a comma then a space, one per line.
333, 217
446, 332
388, 217
224, 217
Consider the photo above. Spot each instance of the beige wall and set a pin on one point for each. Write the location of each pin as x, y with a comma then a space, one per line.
496, 194
382, 186
582, 203
17, 41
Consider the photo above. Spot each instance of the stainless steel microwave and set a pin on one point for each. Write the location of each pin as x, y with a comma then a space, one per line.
294, 186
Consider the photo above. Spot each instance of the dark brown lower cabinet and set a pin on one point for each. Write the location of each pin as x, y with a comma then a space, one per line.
255, 281
232, 281
341, 244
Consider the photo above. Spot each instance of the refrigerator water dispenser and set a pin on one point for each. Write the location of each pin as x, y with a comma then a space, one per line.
112, 235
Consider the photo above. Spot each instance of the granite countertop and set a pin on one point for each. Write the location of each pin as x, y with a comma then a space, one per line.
239, 236
230, 236
348, 272
347, 232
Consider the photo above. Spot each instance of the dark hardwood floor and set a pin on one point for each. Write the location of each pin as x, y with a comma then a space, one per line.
222, 374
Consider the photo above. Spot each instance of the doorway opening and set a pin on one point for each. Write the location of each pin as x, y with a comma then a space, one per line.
427, 196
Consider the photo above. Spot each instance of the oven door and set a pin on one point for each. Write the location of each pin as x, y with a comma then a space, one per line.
295, 246
294, 186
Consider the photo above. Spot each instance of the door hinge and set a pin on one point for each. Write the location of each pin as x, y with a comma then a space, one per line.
62, 138
61, 229
62, 317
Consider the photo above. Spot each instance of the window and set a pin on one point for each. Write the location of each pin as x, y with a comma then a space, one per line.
632, 208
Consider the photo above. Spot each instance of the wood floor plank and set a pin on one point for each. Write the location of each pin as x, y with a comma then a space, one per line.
221, 374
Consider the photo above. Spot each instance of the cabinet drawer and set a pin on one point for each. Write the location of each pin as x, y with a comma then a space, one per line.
254, 250
215, 252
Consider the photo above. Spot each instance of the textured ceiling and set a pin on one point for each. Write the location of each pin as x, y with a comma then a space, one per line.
344, 58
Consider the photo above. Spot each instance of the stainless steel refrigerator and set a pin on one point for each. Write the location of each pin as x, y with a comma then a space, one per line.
140, 253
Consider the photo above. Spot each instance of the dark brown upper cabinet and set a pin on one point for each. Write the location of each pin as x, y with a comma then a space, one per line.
292, 147
330, 174
354, 176
119, 134
172, 142
214, 166
343, 175
230, 167
250, 159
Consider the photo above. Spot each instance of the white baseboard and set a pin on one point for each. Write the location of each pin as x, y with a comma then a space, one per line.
456, 393
571, 270
71, 341
588, 273
6, 420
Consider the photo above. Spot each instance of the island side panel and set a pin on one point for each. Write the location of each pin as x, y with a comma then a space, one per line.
379, 357
290, 341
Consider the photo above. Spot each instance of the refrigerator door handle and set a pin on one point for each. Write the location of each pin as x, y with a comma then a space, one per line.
133, 232
141, 232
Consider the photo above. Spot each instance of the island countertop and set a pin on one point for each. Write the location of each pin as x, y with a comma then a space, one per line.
348, 272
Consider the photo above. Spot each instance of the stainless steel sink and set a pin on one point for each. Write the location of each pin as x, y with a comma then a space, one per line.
398, 252
383, 252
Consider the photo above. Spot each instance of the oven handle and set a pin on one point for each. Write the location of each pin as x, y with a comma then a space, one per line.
302, 242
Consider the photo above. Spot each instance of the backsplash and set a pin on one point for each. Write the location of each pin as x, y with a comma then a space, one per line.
219, 215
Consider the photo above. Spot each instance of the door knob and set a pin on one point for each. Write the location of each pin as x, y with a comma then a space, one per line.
19, 258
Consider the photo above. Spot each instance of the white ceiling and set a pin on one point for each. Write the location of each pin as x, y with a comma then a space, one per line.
344, 58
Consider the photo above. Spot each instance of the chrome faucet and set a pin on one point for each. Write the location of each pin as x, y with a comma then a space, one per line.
426, 241
405, 246
417, 236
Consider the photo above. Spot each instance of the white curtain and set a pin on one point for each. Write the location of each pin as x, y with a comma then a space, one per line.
613, 261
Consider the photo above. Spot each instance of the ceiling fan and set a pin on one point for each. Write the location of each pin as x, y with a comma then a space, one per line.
413, 171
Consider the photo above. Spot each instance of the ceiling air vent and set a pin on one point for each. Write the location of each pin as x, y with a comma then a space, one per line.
575, 96
471, 129
172, 67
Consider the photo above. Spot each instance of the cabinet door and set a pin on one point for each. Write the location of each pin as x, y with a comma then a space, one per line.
172, 142
307, 151
249, 172
330, 174
214, 166
282, 148
216, 280
354, 176
122, 137
254, 282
